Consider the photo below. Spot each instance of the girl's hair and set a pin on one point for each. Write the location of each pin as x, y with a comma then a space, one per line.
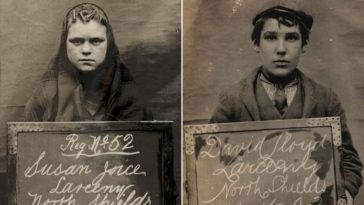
85, 12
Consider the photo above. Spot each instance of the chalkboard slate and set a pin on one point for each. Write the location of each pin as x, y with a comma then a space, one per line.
266, 162
91, 163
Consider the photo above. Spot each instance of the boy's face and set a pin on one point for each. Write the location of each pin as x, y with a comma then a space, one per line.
86, 45
280, 48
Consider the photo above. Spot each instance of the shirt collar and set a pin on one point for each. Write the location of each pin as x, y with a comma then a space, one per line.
292, 83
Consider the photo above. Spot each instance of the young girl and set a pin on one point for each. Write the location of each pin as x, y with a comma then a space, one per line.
86, 80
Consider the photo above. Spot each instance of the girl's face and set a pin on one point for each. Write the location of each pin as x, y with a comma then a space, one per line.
86, 45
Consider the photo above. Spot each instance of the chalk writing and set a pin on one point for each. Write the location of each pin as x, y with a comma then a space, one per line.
256, 166
100, 146
99, 187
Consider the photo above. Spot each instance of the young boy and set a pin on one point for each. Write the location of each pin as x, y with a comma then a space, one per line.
278, 90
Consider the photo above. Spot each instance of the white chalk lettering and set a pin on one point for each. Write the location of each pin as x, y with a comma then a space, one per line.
243, 178
46, 169
37, 199
110, 184
106, 145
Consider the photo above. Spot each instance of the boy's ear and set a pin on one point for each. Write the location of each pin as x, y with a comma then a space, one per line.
256, 48
303, 49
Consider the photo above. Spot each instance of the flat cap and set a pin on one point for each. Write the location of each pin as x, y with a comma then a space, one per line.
280, 11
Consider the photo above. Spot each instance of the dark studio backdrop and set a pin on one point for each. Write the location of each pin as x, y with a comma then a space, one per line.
218, 52
148, 34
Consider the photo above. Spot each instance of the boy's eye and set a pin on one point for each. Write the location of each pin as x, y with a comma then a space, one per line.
270, 36
77, 41
96, 41
292, 37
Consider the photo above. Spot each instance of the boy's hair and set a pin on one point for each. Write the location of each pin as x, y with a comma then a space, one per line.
285, 16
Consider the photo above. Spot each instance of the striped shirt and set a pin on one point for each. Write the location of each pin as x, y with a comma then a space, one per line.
271, 88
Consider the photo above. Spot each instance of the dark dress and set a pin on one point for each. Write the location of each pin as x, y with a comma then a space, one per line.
60, 97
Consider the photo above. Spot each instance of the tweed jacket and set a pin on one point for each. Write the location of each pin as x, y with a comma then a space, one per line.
238, 103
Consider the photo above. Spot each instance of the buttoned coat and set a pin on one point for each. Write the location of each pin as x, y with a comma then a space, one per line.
238, 103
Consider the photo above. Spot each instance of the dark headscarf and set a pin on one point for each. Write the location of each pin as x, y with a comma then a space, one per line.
60, 96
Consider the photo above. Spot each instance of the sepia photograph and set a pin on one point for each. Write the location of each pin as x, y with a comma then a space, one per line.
193, 102
63, 63
276, 62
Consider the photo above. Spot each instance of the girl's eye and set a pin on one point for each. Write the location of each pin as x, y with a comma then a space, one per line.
77, 41
96, 41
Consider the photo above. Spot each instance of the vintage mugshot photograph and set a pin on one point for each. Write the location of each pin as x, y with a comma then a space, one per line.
90, 102
272, 102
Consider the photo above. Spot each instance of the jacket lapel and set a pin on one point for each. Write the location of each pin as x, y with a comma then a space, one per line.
310, 96
249, 100
248, 95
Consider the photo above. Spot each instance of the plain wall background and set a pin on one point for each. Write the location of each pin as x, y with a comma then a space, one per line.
148, 34
218, 52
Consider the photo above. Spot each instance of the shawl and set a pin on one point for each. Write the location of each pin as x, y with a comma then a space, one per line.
60, 97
